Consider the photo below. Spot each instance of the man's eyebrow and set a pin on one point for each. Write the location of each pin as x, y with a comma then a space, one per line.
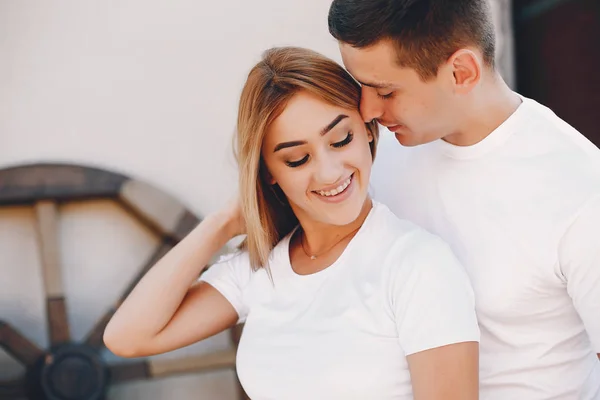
333, 123
376, 85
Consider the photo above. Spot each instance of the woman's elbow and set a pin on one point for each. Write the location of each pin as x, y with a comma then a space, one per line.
120, 344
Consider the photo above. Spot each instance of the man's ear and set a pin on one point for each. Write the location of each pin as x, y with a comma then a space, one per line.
466, 68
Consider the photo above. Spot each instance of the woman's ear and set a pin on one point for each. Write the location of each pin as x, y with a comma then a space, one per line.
266, 175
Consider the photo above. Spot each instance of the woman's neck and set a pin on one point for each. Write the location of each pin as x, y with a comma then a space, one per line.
318, 237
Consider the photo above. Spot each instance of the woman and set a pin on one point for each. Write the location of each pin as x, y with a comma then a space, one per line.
340, 299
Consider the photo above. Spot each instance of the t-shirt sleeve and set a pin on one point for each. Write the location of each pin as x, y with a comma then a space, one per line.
230, 275
431, 296
579, 258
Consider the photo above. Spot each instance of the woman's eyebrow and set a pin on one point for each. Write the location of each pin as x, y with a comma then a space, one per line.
329, 127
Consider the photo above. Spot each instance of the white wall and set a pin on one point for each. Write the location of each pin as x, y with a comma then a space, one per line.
147, 88
144, 87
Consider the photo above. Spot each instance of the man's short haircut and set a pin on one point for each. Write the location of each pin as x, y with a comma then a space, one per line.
425, 32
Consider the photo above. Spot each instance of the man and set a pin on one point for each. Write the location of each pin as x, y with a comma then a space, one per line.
513, 188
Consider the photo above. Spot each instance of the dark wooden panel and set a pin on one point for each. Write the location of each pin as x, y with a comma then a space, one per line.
558, 60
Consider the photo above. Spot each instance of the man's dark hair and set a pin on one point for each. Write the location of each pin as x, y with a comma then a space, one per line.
425, 32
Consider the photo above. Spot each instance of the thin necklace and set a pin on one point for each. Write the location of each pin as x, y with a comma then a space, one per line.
314, 256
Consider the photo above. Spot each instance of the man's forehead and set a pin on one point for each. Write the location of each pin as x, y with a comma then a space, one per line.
369, 66
380, 53
370, 78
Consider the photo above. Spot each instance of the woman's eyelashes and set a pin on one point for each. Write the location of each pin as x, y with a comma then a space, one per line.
344, 142
337, 145
298, 163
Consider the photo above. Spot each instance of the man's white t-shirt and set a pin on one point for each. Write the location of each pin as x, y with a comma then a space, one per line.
521, 210
345, 332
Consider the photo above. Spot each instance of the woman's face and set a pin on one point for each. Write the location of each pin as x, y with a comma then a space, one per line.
319, 156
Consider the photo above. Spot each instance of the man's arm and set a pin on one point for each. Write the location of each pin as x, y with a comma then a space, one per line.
579, 258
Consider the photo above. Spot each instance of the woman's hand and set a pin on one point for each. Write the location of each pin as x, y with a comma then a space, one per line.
232, 213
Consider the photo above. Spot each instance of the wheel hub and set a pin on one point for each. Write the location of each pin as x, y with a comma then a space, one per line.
73, 372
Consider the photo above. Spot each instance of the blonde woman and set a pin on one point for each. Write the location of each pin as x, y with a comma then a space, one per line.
340, 299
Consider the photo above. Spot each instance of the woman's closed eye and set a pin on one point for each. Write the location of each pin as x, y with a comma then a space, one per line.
337, 145
294, 164
344, 142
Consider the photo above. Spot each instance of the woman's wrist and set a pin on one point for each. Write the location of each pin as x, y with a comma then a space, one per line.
225, 224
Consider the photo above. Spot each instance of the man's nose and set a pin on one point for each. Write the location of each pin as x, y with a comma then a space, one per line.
370, 105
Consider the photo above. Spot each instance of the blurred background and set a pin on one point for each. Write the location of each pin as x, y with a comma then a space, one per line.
146, 91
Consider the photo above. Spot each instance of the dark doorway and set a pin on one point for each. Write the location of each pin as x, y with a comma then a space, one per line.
557, 46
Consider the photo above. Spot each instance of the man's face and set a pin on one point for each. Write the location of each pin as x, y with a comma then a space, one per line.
417, 112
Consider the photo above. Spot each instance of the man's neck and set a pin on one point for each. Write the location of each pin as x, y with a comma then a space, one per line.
491, 106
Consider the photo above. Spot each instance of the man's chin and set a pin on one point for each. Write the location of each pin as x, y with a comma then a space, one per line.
405, 141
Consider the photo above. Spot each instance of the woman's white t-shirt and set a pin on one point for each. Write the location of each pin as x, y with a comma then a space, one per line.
345, 332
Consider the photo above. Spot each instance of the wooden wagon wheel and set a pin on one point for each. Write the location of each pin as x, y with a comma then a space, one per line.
76, 371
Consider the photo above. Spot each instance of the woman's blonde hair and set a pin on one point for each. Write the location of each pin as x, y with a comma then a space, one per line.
272, 82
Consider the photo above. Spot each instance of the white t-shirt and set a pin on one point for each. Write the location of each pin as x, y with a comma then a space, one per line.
521, 210
345, 332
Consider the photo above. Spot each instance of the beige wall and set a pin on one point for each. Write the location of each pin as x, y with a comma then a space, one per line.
144, 87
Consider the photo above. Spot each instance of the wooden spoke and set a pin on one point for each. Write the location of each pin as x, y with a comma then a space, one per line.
13, 390
58, 324
18, 346
158, 210
94, 338
129, 371
235, 334
206, 362
160, 368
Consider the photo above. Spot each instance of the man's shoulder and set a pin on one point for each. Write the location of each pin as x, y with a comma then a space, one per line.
404, 245
396, 166
387, 227
552, 130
